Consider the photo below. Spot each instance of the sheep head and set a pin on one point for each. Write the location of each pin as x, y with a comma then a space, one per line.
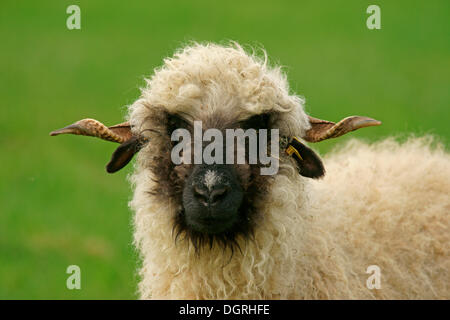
224, 89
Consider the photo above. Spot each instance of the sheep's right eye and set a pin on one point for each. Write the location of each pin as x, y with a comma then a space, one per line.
259, 121
174, 122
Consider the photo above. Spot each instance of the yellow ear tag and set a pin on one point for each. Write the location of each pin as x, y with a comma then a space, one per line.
291, 150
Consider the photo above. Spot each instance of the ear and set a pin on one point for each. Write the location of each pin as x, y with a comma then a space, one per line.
123, 154
309, 163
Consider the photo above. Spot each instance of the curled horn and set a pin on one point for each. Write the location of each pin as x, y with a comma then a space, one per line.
93, 128
309, 164
120, 133
323, 129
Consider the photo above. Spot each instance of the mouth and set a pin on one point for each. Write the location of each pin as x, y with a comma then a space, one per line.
211, 225
208, 229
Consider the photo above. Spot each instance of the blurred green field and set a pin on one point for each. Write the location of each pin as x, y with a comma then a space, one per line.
59, 206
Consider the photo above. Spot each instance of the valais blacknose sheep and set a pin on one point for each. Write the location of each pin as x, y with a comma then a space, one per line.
375, 226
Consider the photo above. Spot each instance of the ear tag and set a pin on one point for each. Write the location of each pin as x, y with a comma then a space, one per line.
292, 150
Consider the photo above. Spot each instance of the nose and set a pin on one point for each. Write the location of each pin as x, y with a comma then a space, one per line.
210, 197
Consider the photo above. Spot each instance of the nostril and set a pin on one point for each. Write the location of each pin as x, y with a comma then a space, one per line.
218, 194
200, 192
201, 195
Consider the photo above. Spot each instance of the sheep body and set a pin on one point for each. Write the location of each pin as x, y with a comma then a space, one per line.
384, 204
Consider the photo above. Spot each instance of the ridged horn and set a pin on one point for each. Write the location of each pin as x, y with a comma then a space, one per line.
90, 127
323, 129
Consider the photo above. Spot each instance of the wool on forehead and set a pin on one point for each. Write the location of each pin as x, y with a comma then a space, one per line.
205, 79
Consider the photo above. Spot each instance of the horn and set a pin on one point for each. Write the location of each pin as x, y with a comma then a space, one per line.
90, 127
323, 129
120, 133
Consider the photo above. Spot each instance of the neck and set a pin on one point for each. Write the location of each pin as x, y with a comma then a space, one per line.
269, 260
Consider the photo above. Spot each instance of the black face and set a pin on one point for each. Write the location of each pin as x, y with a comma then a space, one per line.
217, 203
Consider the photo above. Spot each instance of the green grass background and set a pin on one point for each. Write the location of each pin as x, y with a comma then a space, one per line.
57, 204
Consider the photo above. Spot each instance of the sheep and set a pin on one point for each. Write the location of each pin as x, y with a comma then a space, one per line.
298, 234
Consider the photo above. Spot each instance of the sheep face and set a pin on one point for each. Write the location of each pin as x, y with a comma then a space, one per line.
216, 203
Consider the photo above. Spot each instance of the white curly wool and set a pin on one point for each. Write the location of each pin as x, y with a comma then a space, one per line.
385, 204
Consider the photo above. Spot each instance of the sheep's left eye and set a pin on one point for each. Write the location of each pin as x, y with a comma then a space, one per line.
259, 121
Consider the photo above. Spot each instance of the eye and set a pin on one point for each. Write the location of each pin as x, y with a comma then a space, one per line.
259, 121
175, 121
